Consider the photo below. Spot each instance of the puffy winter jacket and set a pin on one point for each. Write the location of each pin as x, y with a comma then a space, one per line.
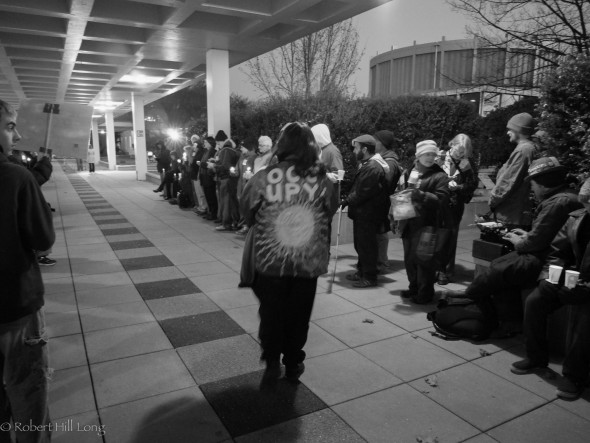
368, 195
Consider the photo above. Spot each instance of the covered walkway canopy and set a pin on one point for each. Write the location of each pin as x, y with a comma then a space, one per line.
118, 55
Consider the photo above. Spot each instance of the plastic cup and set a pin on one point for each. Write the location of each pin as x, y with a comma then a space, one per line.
340, 175
554, 273
571, 279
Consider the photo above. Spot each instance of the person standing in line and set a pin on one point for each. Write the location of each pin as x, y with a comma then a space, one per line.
384, 141
290, 206
430, 194
26, 225
207, 179
570, 250
244, 165
195, 169
226, 173
509, 199
91, 158
330, 154
263, 157
365, 207
163, 161
462, 185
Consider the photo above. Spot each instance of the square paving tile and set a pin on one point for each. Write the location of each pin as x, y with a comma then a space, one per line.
58, 285
100, 221
204, 268
367, 298
91, 267
66, 352
320, 342
104, 211
223, 358
137, 253
217, 282
155, 274
166, 288
329, 305
84, 282
233, 298
113, 343
131, 244
115, 216
243, 408
79, 428
92, 298
181, 306
119, 231
345, 375
180, 416
247, 317
420, 357
405, 315
548, 424
321, 426
140, 376
98, 205
193, 329
478, 396
125, 237
154, 261
401, 414
359, 328
112, 316
60, 302
70, 392
62, 323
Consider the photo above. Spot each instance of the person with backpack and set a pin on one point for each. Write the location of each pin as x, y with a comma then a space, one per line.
570, 250
384, 147
430, 194
365, 202
462, 185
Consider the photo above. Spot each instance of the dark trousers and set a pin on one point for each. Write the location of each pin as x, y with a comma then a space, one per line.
511, 271
544, 300
365, 244
421, 276
285, 309
91, 167
211, 197
228, 194
448, 259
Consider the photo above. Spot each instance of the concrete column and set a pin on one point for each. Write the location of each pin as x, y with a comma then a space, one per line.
111, 151
139, 136
218, 115
95, 139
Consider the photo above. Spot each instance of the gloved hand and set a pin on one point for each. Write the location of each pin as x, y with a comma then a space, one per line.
417, 196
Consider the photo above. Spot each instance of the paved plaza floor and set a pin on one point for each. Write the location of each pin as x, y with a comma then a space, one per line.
152, 341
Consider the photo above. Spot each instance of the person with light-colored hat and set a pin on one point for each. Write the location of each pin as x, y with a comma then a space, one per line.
330, 154
509, 199
570, 251
430, 194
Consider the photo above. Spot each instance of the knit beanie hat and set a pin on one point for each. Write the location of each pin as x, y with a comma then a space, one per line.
321, 134
220, 136
385, 137
426, 146
584, 195
522, 123
210, 140
546, 166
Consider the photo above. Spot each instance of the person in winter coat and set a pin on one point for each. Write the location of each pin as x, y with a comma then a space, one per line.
207, 178
290, 206
509, 200
226, 173
91, 158
571, 250
244, 165
519, 269
367, 197
384, 147
162, 162
330, 154
462, 184
195, 168
430, 194
26, 225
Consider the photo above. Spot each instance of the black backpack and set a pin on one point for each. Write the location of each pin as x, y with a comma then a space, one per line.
463, 318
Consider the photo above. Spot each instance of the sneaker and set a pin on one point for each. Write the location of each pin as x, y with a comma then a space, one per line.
223, 228
292, 373
243, 231
526, 366
353, 277
271, 376
364, 283
443, 279
46, 261
569, 389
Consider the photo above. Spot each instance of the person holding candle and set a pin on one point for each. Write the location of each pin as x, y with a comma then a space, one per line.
244, 165
226, 172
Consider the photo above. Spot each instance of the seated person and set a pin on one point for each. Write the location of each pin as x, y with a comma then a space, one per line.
569, 250
520, 268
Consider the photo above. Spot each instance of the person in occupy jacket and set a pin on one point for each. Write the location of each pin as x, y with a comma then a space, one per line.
289, 205
430, 194
570, 250
368, 195
509, 200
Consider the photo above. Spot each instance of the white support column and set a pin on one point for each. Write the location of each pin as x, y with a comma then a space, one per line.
218, 114
95, 139
139, 136
111, 147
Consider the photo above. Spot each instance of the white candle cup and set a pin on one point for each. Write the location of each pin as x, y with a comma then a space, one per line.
340, 175
554, 273
571, 279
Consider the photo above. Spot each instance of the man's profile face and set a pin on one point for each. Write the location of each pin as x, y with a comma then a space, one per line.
9, 136
512, 136
264, 147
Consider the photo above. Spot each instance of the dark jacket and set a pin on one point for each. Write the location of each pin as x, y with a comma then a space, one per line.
246, 161
227, 158
431, 201
569, 248
291, 216
466, 181
163, 160
42, 170
206, 175
368, 194
550, 215
25, 225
